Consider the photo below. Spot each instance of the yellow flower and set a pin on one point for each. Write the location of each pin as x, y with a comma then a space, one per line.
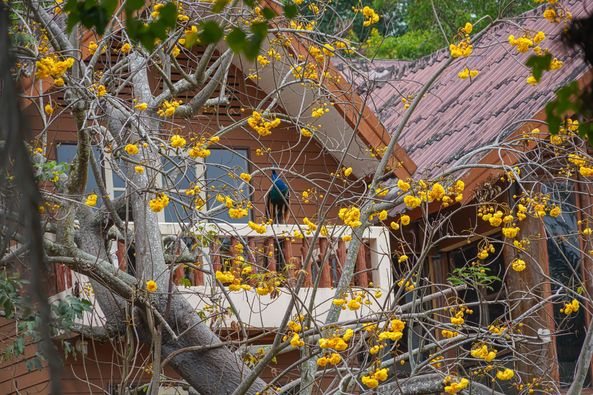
370, 16
151, 286
404, 186
91, 200
412, 201
467, 29
259, 228
245, 177
296, 341
214, 139
346, 238
370, 381
139, 169
555, 212
550, 15
177, 141
455, 387
59, 82
354, 304
510, 232
531, 80
93, 47
306, 132
141, 106
506, 374
262, 126
350, 216
571, 307
539, 37
405, 219
263, 60
467, 73
126, 48
518, 265
348, 171
159, 202
48, 109
394, 225
131, 149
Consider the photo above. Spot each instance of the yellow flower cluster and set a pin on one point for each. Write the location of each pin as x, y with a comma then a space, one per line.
338, 342
262, 126
518, 265
457, 317
332, 359
408, 286
394, 332
350, 216
259, 228
177, 141
98, 90
447, 334
483, 352
159, 202
453, 387
467, 73
505, 374
571, 307
372, 380
370, 16
463, 49
50, 66
91, 200
319, 111
168, 108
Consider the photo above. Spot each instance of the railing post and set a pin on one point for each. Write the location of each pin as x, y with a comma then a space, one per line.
198, 274
288, 258
215, 255
304, 251
341, 255
271, 254
251, 253
361, 267
324, 264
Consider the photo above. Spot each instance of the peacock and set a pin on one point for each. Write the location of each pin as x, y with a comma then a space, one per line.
277, 200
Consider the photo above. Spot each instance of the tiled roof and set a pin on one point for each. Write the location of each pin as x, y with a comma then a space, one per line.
457, 116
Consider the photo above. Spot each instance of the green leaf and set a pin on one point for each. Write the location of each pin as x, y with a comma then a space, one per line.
539, 64
268, 13
236, 39
290, 10
219, 6
210, 33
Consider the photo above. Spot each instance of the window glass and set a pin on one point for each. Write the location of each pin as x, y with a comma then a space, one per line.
564, 264
65, 152
219, 164
178, 175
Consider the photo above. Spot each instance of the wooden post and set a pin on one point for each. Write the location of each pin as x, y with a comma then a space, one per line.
341, 255
215, 255
325, 281
361, 274
304, 250
288, 258
199, 275
270, 254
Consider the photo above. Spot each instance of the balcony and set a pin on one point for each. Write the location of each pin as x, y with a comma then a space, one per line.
273, 251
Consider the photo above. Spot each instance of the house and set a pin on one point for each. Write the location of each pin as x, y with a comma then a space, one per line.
453, 126
453, 120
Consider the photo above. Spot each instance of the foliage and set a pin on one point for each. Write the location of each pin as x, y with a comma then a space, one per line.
421, 33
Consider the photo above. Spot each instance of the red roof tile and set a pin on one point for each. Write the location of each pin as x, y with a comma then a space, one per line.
457, 116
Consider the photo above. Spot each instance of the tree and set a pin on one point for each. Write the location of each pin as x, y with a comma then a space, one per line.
128, 107
430, 25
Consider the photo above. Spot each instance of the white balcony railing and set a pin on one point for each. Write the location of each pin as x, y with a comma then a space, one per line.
276, 250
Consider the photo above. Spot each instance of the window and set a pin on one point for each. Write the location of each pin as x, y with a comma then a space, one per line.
484, 313
178, 175
218, 165
564, 264
65, 153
